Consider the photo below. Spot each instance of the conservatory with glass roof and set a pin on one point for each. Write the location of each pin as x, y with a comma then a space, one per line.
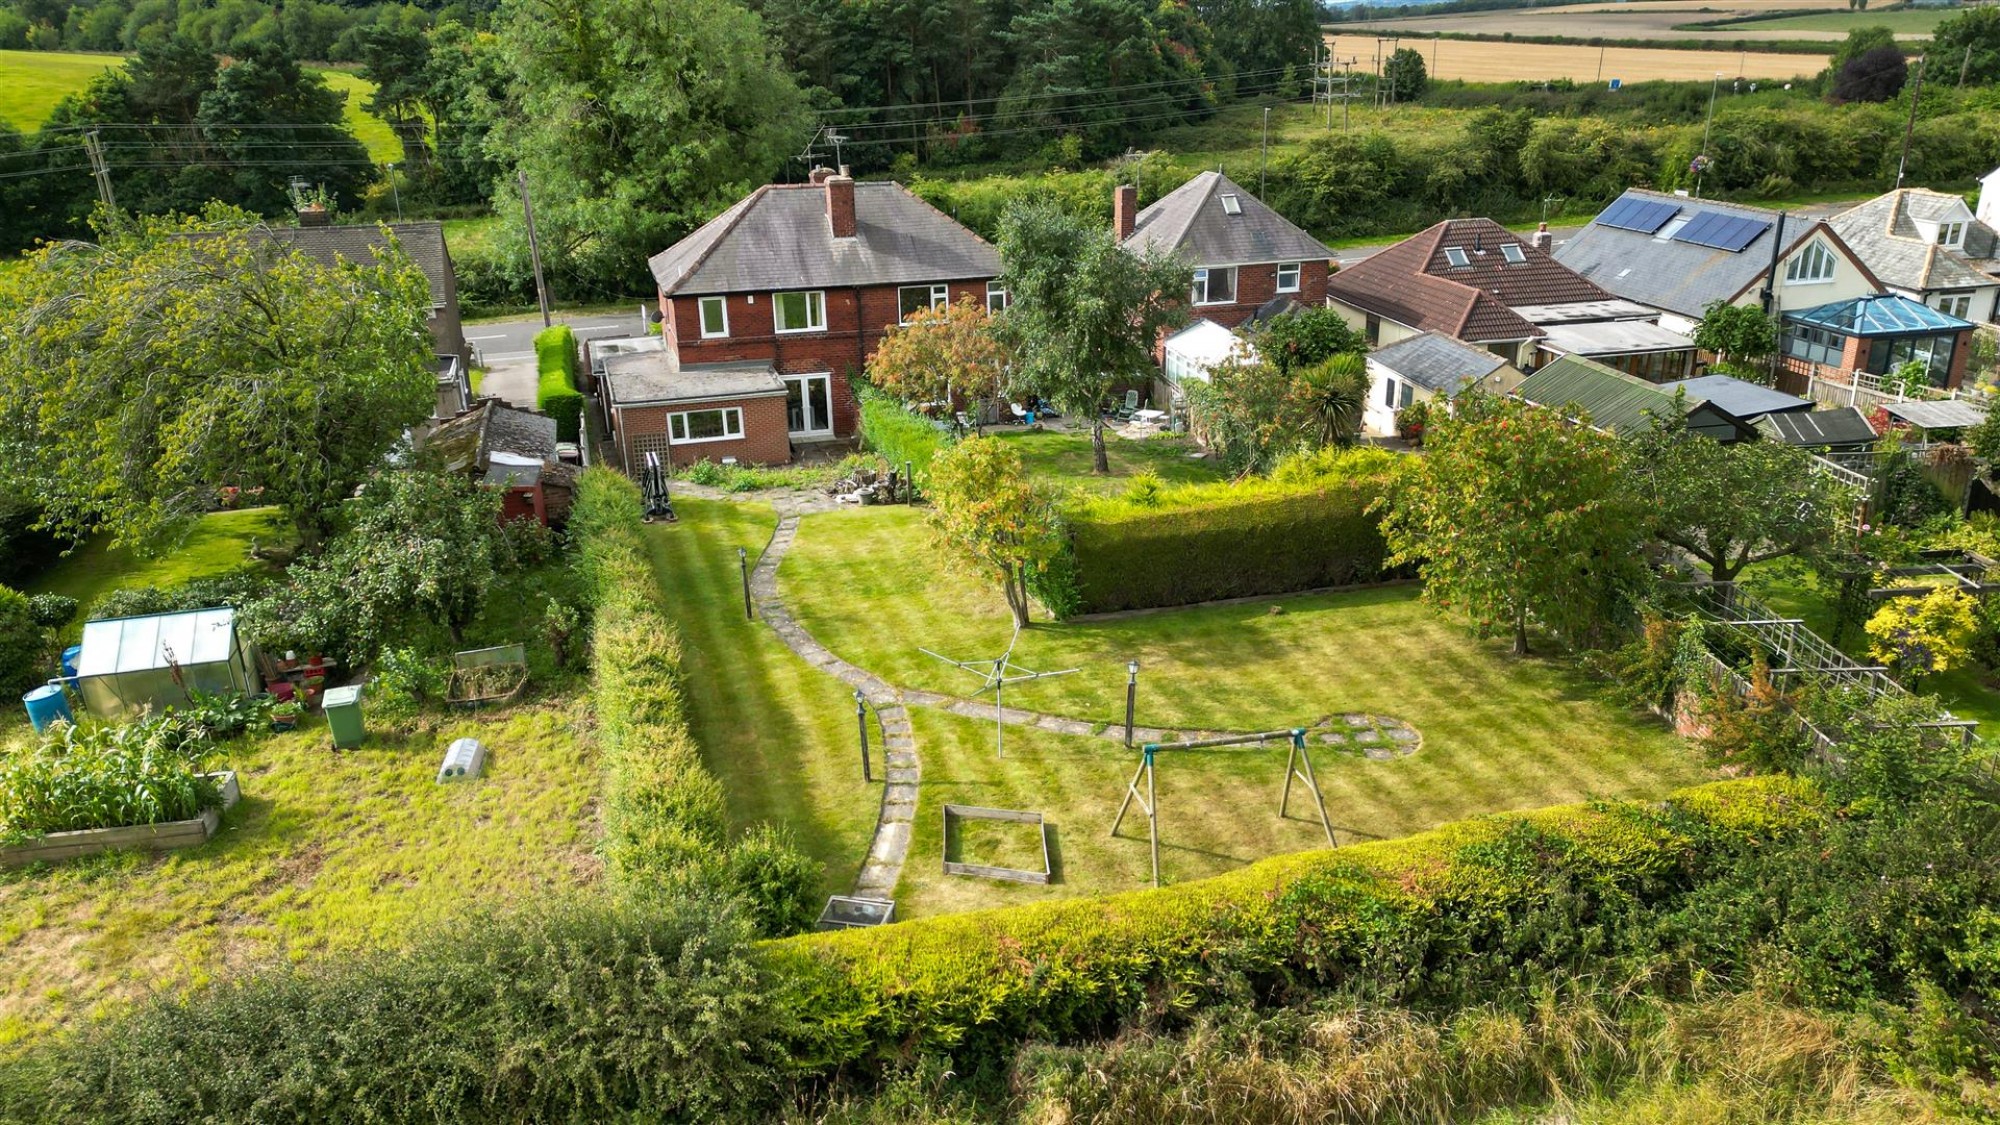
1878, 335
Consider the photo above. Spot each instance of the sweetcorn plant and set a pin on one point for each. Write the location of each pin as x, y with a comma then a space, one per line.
104, 776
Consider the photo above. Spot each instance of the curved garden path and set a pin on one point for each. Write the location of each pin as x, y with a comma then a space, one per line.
1377, 737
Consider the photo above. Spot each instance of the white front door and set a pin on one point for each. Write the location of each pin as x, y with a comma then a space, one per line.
809, 405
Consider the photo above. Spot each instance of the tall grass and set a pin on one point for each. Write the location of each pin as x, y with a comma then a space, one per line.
898, 435
101, 776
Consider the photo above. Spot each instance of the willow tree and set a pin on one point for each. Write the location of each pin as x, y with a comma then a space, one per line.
1085, 313
142, 373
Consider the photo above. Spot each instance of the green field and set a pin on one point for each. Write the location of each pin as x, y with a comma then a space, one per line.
32, 82
1498, 733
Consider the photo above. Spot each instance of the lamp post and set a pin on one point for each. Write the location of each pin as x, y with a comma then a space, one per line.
861, 720
743, 564
1131, 696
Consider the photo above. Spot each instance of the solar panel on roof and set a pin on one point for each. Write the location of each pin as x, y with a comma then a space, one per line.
1642, 215
1720, 231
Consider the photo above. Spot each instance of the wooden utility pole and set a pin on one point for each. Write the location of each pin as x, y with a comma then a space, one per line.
1910, 124
1263, 152
99, 169
534, 248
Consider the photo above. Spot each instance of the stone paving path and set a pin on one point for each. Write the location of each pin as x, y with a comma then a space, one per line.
1378, 737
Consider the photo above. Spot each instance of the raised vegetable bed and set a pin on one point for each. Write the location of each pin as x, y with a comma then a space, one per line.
487, 675
169, 836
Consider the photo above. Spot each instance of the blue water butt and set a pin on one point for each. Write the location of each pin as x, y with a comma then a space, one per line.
69, 659
46, 704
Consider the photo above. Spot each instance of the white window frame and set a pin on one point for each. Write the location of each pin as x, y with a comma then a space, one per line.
1956, 304
701, 317
678, 421
1296, 272
805, 378
815, 304
1202, 275
1951, 235
1455, 256
1814, 265
939, 295
996, 289
1513, 253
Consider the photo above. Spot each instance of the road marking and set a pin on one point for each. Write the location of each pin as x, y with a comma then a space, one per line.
497, 336
595, 327
508, 355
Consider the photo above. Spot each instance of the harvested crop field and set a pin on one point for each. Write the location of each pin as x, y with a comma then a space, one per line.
1667, 21
1476, 61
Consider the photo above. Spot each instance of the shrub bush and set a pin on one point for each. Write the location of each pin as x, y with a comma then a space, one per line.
52, 611
555, 386
24, 644
898, 435
1206, 542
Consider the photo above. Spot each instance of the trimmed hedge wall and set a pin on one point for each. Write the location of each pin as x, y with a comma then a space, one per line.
1223, 541
898, 435
663, 811
1446, 915
555, 381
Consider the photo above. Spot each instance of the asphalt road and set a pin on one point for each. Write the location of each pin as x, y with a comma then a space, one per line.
501, 341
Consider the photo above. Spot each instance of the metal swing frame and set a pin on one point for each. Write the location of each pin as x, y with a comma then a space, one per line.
1298, 765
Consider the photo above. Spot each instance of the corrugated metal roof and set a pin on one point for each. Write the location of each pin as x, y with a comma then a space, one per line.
1614, 401
1613, 337
1190, 223
143, 644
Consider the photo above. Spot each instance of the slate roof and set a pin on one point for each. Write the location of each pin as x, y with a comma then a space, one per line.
1191, 224
778, 238
1746, 400
357, 243
1616, 402
1437, 362
644, 378
1883, 232
469, 439
1681, 277
1414, 283
1843, 425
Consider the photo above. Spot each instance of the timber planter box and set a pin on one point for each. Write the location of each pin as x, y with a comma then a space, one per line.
170, 836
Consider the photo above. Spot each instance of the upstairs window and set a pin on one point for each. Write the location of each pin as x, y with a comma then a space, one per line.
1231, 205
1951, 234
1456, 256
714, 317
914, 299
1215, 285
799, 312
996, 297
1288, 277
1813, 264
1512, 252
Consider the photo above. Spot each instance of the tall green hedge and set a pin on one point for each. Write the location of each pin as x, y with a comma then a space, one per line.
1222, 541
1446, 916
555, 381
898, 435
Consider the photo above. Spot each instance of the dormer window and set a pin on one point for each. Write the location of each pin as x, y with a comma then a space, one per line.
1456, 256
1231, 205
1951, 234
1512, 252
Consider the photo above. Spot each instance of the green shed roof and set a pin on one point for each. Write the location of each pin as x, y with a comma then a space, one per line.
1616, 402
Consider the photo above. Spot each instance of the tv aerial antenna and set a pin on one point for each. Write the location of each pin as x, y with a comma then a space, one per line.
825, 135
995, 675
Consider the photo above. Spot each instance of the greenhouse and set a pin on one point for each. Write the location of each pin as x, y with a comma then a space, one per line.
129, 664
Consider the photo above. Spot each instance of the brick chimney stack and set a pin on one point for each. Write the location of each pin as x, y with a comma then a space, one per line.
1541, 239
1124, 210
840, 203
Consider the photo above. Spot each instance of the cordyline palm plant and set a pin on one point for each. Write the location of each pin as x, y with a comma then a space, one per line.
104, 776
1334, 393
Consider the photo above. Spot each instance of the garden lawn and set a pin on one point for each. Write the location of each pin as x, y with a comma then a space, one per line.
219, 545
326, 853
1066, 457
780, 733
1498, 732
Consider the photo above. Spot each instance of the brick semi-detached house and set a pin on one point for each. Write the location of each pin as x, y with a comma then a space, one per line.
771, 309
